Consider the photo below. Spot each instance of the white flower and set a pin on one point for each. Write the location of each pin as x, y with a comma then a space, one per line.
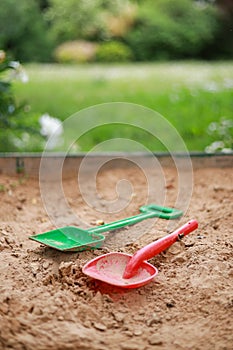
215, 146
50, 125
18, 73
21, 142
212, 127
52, 129
228, 83
211, 86
227, 150
14, 64
22, 76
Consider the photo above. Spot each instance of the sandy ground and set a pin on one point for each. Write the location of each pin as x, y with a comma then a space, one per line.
47, 303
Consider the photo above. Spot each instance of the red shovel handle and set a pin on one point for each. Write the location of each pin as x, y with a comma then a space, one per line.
154, 248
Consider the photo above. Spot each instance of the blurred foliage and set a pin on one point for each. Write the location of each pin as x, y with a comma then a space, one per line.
120, 23
81, 51
23, 30
78, 51
168, 29
190, 95
72, 19
161, 29
222, 133
16, 124
113, 52
223, 44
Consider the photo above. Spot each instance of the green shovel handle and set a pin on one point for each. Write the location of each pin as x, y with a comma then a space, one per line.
147, 212
164, 212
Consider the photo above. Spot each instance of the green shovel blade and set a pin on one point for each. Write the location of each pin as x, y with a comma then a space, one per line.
70, 238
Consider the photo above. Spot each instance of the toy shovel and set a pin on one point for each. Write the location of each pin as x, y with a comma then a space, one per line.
71, 238
124, 270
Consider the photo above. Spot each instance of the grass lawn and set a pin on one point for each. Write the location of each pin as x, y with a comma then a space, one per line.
188, 94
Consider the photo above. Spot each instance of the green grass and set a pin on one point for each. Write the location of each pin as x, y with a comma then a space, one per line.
190, 95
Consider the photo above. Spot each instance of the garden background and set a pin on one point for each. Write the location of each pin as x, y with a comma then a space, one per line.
172, 56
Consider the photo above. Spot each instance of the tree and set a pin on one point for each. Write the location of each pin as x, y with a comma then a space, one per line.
23, 30
225, 37
172, 29
82, 19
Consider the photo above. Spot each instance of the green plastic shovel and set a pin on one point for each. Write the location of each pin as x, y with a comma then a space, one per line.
71, 238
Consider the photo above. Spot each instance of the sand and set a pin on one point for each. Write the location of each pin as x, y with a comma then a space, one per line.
46, 302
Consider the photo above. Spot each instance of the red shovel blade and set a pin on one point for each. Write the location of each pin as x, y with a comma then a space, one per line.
110, 267
123, 270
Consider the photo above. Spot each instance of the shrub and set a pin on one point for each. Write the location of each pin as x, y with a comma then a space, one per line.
16, 125
82, 19
23, 32
172, 29
118, 25
113, 52
75, 52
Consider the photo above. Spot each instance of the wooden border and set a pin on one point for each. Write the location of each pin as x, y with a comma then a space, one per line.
29, 164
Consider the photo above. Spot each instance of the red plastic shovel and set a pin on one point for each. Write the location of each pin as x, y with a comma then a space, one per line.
124, 270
